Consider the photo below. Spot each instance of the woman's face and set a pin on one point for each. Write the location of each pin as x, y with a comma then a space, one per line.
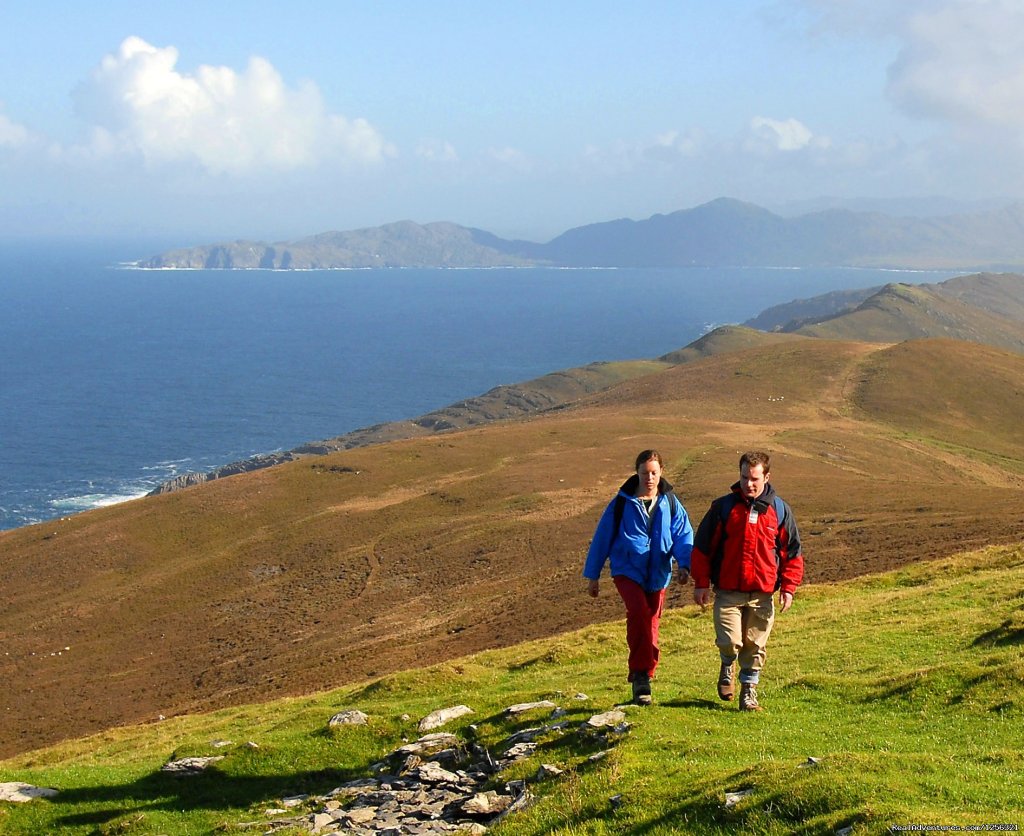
650, 474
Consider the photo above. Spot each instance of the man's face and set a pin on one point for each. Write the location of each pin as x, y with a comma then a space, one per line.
752, 480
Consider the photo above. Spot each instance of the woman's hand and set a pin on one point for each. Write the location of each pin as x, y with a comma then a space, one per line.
593, 588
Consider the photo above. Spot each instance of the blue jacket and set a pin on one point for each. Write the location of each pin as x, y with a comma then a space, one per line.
644, 546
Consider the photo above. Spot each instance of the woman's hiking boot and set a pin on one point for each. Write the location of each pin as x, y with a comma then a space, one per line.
726, 681
642, 688
748, 698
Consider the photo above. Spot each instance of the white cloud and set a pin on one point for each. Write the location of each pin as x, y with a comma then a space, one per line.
667, 148
511, 158
963, 62
227, 122
12, 135
781, 135
436, 151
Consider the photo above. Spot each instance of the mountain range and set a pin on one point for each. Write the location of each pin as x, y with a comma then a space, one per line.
722, 233
467, 529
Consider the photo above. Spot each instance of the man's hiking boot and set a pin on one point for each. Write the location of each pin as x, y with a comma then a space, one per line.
726, 682
748, 698
642, 688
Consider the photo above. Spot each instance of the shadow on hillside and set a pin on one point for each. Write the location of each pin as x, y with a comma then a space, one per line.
723, 805
209, 790
706, 705
1007, 633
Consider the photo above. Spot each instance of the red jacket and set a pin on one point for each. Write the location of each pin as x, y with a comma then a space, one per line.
744, 546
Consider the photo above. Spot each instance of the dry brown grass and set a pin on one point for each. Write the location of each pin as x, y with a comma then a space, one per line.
334, 569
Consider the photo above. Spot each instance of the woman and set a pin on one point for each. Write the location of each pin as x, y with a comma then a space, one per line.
640, 532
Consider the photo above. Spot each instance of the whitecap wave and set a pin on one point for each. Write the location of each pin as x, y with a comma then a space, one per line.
87, 502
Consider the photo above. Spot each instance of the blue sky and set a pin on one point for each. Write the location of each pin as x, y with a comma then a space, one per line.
199, 121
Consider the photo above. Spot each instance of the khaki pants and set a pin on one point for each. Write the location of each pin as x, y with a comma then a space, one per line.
743, 622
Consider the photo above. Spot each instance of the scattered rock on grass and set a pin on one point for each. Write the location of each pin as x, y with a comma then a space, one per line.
440, 784
20, 793
523, 707
608, 718
190, 766
349, 717
734, 798
436, 719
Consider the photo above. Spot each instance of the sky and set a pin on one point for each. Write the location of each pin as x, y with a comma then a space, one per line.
196, 122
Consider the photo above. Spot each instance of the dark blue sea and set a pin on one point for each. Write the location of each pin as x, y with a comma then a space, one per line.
113, 380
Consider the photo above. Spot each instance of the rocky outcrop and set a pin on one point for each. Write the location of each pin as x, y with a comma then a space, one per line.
440, 783
443, 783
187, 480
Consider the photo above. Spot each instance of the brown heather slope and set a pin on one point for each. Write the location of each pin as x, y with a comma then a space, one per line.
904, 312
333, 569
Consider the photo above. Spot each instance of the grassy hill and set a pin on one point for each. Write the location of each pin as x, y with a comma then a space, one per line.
334, 569
964, 297
905, 708
906, 312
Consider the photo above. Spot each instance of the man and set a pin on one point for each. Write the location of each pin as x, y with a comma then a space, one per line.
747, 546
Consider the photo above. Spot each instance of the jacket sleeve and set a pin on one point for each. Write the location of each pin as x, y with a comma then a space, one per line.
682, 538
791, 558
600, 545
704, 543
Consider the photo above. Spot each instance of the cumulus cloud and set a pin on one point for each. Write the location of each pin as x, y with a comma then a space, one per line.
226, 121
666, 148
963, 62
436, 151
960, 62
12, 135
511, 158
782, 135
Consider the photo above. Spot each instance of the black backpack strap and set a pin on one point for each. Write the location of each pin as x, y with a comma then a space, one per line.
617, 510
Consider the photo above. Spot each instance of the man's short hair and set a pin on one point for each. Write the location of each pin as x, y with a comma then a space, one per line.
753, 458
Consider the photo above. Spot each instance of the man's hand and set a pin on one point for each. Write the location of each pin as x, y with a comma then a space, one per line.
593, 588
786, 600
702, 597
683, 576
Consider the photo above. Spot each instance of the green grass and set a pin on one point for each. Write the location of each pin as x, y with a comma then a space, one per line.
905, 687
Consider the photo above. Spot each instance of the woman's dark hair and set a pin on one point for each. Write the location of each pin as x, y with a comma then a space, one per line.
646, 456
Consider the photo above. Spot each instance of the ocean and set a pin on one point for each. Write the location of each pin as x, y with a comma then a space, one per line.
113, 380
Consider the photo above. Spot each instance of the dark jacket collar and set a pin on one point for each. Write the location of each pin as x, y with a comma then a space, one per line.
633, 482
762, 502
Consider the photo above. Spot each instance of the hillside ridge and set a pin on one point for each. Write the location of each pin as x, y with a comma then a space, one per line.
336, 568
722, 233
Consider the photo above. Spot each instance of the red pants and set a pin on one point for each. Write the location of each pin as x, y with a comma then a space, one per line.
643, 616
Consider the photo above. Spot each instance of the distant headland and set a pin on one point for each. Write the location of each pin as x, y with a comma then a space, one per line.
722, 233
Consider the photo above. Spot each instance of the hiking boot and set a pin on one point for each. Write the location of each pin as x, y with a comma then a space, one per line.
748, 698
642, 688
726, 682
